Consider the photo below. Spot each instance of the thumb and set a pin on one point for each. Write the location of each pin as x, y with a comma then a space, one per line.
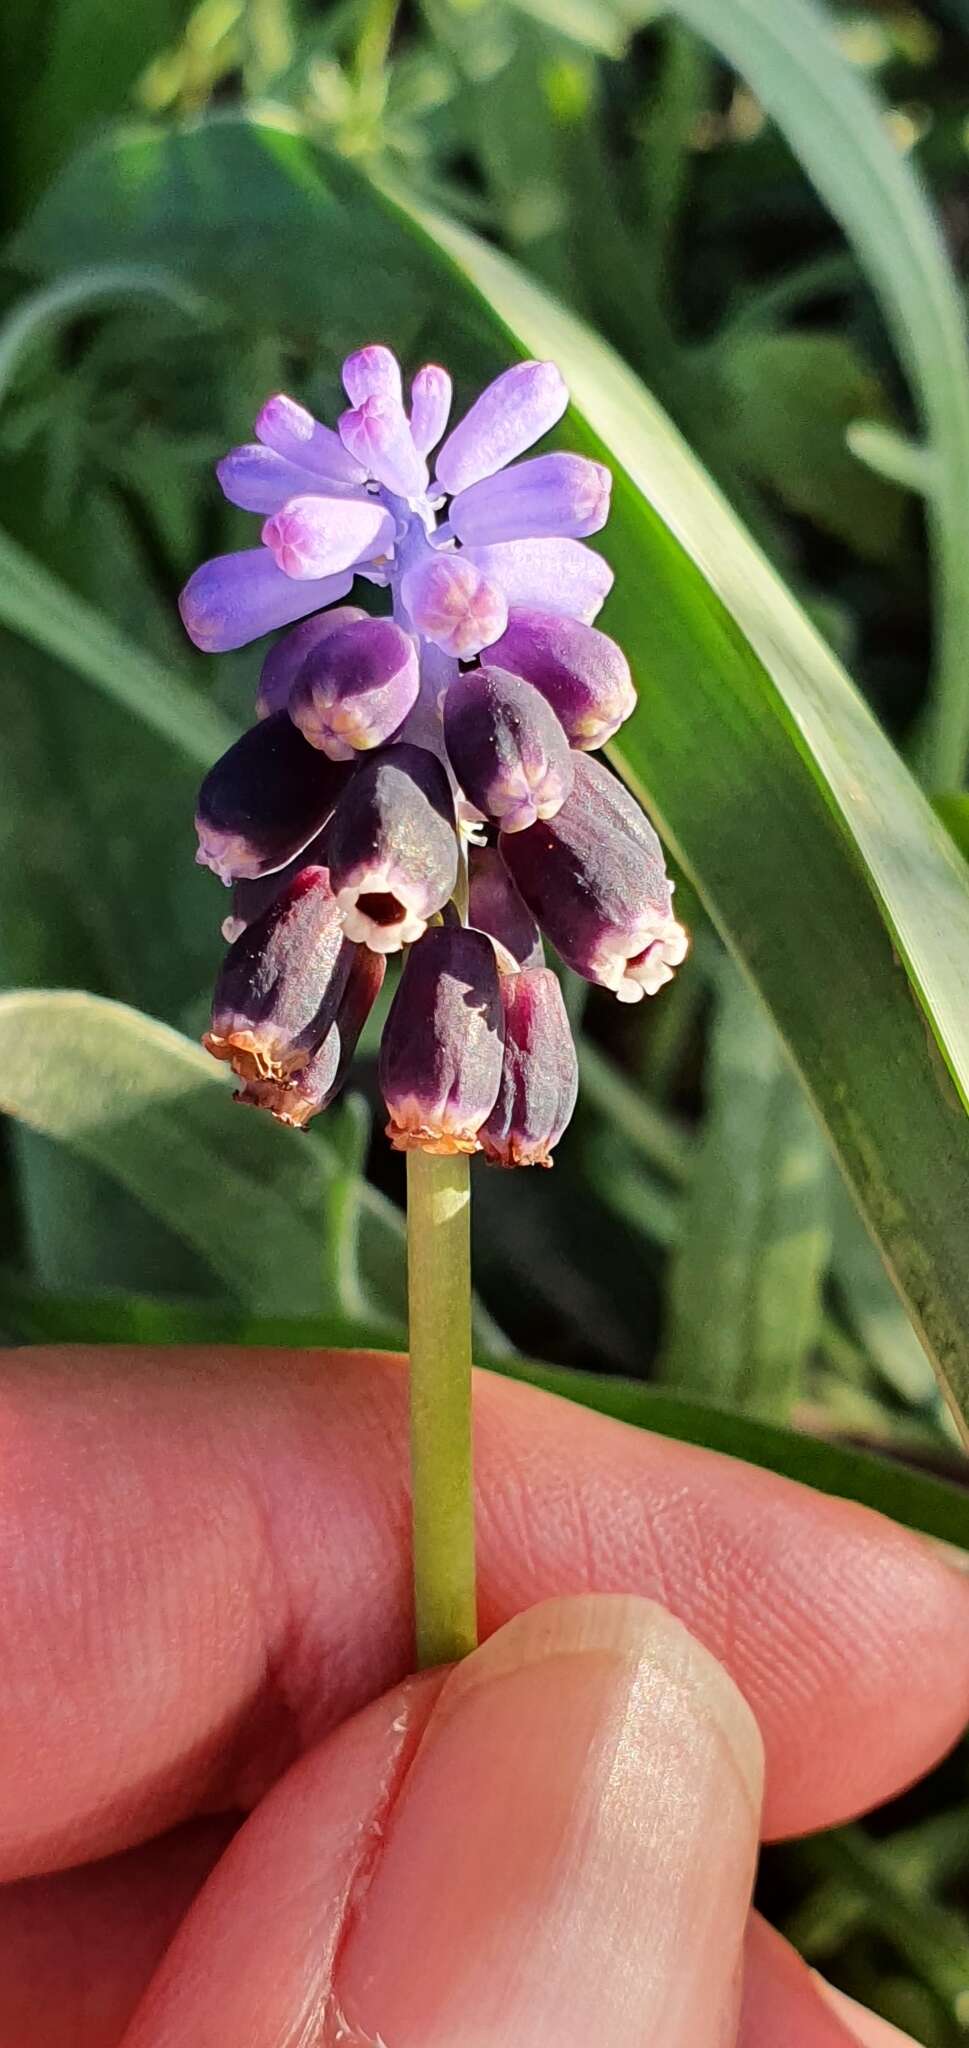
554, 1842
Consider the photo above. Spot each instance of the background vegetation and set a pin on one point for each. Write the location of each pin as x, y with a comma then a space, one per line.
208, 203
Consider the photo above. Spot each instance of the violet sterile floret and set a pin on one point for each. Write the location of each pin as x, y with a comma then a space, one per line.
421, 779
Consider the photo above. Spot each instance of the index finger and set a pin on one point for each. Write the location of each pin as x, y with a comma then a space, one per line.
205, 1556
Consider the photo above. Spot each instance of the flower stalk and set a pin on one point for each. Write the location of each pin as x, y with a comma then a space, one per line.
442, 1492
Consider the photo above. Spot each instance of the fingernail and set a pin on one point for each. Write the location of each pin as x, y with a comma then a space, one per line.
571, 1857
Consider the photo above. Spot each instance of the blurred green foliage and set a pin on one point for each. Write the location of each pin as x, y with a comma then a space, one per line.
779, 287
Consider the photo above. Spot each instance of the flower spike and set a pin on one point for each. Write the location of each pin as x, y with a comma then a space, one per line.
447, 726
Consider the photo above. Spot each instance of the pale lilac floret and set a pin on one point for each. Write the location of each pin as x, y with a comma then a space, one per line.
373, 372
553, 575
510, 416
315, 536
454, 604
236, 598
258, 480
459, 722
554, 494
293, 433
376, 432
430, 406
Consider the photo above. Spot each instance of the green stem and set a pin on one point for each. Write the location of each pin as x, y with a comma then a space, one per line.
439, 1300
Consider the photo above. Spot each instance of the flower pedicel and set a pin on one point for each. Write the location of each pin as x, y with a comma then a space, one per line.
437, 757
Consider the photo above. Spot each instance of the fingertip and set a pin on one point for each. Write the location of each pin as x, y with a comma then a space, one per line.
572, 1852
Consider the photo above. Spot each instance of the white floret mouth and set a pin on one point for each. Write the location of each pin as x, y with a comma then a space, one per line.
379, 911
642, 964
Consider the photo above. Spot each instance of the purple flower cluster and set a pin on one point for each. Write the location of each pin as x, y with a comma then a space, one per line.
424, 779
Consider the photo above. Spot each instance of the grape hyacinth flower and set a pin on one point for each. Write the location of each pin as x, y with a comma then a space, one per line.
422, 780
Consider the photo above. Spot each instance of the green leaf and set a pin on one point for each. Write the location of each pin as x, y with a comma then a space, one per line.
34, 603
834, 122
893, 455
816, 855
41, 312
141, 1104
284, 1221
67, 67
953, 809
744, 1302
874, 1312
792, 398
201, 200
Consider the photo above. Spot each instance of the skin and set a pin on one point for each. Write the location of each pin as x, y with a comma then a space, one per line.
229, 1816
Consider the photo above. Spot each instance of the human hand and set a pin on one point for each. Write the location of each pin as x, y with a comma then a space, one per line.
206, 1609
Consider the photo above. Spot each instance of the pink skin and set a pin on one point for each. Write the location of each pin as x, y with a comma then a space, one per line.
208, 1559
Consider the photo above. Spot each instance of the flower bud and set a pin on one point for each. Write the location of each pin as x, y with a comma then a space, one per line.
595, 877
235, 598
264, 801
539, 1073
377, 435
302, 1094
453, 604
495, 906
258, 480
372, 372
392, 846
440, 1059
506, 747
552, 494
293, 433
582, 673
554, 575
314, 536
355, 688
430, 405
511, 413
284, 661
281, 983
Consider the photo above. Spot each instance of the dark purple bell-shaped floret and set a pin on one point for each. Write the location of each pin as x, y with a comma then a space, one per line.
285, 659
539, 1072
506, 747
580, 671
595, 878
281, 984
392, 847
355, 688
496, 906
265, 800
302, 1094
440, 1059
